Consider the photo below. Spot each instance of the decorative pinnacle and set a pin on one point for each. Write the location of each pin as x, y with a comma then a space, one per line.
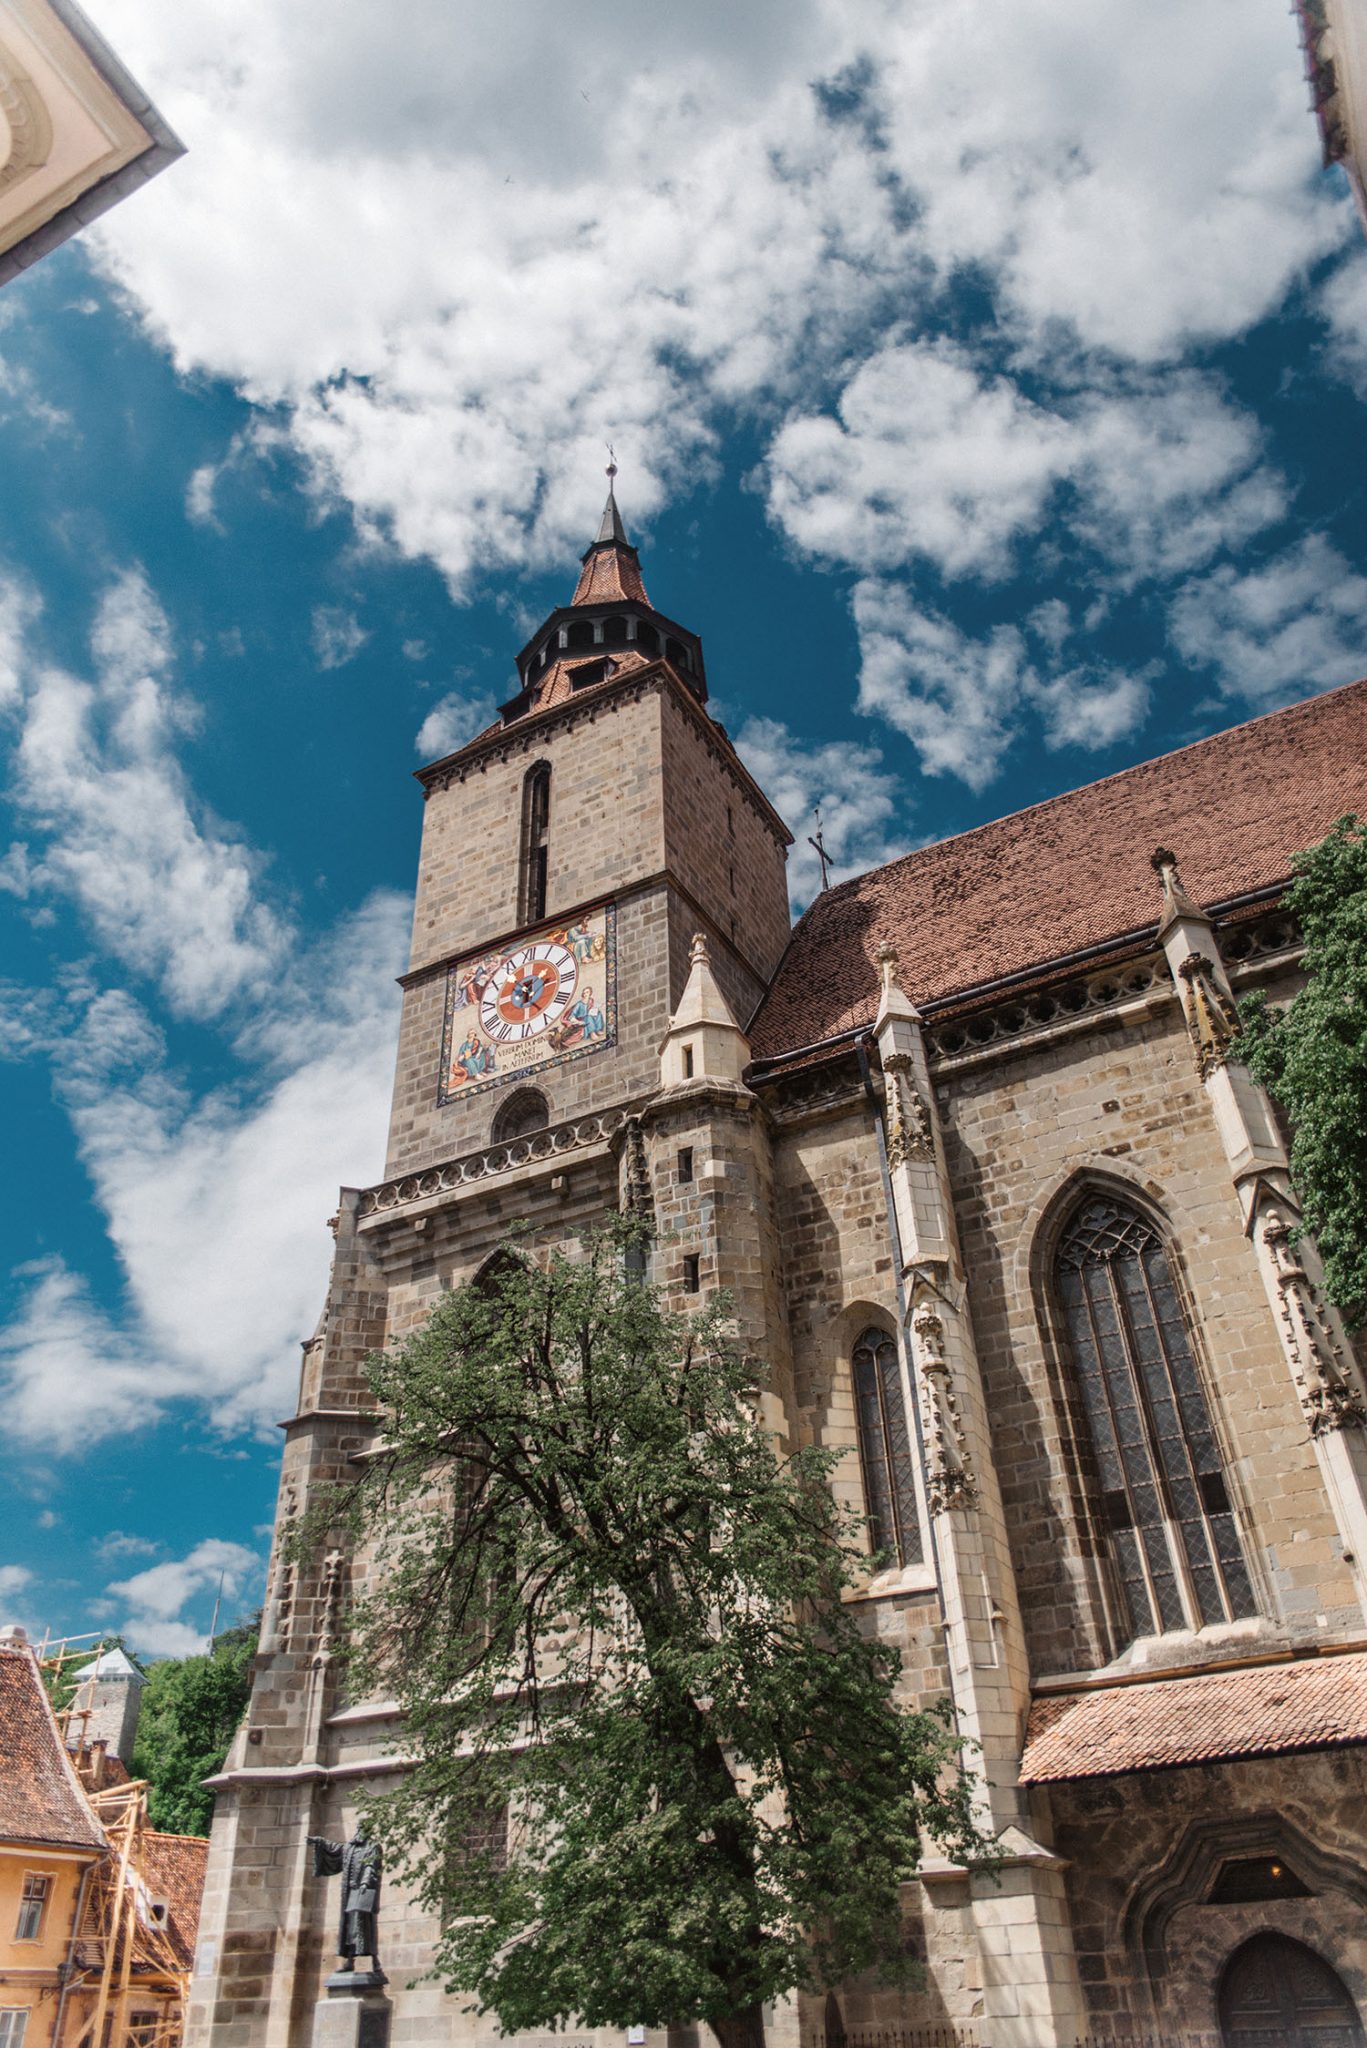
1176, 901
887, 965
698, 950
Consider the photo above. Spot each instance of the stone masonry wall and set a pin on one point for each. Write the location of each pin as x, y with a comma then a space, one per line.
719, 844
1020, 1133
1129, 1842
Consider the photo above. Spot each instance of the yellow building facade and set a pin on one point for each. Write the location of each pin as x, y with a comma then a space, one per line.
50, 1846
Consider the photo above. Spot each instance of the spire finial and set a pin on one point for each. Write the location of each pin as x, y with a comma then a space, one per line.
611, 532
887, 965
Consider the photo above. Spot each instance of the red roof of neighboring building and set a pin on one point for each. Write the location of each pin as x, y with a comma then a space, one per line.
1072, 873
173, 1869
1161, 1723
40, 1795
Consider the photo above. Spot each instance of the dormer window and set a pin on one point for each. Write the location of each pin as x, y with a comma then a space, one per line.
586, 672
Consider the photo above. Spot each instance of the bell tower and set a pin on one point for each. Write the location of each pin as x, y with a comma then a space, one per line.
569, 855
601, 898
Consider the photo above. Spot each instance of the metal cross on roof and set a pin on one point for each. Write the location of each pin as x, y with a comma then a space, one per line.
818, 846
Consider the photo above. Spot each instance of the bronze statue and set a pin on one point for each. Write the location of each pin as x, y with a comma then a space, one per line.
359, 1864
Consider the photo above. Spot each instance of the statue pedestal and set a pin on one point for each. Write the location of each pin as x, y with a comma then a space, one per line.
355, 2013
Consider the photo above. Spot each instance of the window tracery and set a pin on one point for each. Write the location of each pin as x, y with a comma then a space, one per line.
1167, 1514
885, 1452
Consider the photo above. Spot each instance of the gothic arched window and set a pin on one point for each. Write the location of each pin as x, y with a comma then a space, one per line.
885, 1454
536, 818
1165, 1510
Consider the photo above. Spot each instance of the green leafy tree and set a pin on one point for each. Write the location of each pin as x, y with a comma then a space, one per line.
661, 1772
191, 1707
1313, 1057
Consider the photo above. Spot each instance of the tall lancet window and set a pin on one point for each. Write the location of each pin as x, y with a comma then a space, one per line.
536, 818
885, 1454
1164, 1504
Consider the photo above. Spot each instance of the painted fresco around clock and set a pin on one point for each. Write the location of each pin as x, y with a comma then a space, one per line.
549, 997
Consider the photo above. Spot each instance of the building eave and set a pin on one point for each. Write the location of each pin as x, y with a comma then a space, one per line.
163, 148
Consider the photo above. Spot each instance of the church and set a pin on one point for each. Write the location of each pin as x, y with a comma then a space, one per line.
972, 1148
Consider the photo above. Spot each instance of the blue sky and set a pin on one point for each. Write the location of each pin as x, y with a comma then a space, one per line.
988, 391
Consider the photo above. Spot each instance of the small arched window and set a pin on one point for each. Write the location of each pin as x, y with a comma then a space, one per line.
1165, 1508
885, 1455
525, 1111
536, 818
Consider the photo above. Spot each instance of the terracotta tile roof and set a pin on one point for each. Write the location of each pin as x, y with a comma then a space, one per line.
40, 1795
558, 681
610, 574
1160, 1723
1074, 872
173, 1869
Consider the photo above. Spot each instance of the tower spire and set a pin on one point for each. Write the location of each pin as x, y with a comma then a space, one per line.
611, 571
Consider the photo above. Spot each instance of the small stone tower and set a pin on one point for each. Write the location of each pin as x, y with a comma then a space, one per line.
106, 1703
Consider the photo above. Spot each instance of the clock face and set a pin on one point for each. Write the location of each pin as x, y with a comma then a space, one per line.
528, 992
551, 997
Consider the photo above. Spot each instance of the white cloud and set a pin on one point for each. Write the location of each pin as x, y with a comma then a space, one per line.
1296, 624
157, 1598
961, 699
1169, 472
454, 383
1345, 307
18, 609
451, 722
1090, 709
13, 1579
216, 1205
952, 696
927, 459
256, 443
932, 458
338, 635
118, 1544
168, 890
860, 801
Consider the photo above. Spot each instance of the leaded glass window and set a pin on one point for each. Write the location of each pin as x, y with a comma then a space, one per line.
1165, 1510
885, 1454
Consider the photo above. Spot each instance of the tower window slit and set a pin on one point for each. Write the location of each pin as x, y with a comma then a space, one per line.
533, 867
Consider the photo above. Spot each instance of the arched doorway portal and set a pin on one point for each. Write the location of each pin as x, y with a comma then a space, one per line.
1276, 1993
